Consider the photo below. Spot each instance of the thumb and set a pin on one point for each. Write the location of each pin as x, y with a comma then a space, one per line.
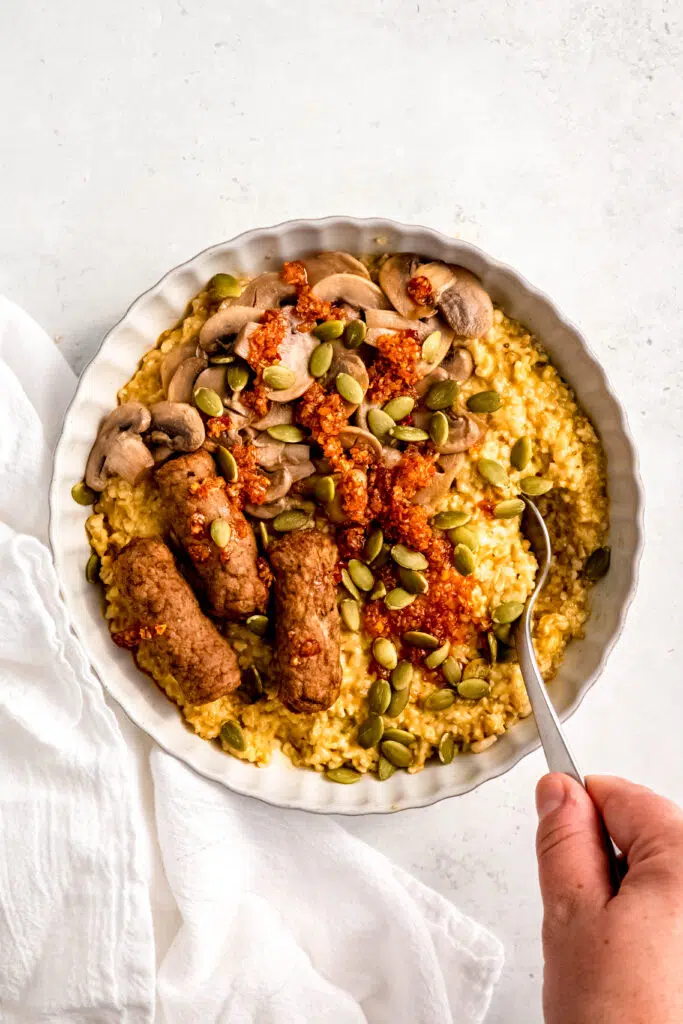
572, 864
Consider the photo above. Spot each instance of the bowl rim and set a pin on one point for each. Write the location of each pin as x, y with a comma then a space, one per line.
378, 224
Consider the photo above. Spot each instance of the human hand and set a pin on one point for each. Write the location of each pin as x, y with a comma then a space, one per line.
610, 959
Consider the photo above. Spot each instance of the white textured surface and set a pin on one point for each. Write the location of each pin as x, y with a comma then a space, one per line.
548, 134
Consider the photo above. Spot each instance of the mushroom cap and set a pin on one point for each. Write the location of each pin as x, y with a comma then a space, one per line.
358, 291
177, 426
226, 321
271, 509
439, 486
118, 449
266, 291
423, 386
394, 275
464, 303
463, 431
173, 359
459, 365
214, 378
389, 320
345, 360
350, 437
325, 264
181, 387
295, 352
277, 415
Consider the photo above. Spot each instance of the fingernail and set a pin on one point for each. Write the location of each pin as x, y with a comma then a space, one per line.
550, 795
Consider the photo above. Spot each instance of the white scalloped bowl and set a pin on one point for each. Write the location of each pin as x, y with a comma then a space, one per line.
280, 783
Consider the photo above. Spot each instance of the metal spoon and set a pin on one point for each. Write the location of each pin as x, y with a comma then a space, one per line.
557, 753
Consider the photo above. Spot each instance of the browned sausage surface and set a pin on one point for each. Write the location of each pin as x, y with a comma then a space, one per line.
166, 617
306, 620
194, 495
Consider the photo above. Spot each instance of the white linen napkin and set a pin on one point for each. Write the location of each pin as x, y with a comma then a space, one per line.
284, 916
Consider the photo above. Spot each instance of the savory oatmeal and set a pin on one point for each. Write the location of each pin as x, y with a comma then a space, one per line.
307, 509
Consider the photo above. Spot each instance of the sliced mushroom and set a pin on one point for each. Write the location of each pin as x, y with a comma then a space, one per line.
268, 451
227, 321
277, 415
442, 481
214, 378
459, 295
295, 454
181, 388
358, 291
266, 291
177, 426
388, 320
271, 509
327, 263
423, 386
459, 365
345, 360
119, 449
173, 359
352, 437
295, 353
393, 278
463, 433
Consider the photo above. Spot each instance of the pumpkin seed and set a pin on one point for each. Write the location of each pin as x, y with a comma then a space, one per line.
400, 736
325, 489
502, 631
520, 456
396, 753
208, 401
225, 286
597, 564
492, 643
227, 464
463, 535
473, 689
385, 769
383, 557
370, 732
373, 545
410, 434
450, 520
92, 568
379, 696
398, 598
398, 703
221, 532
354, 333
492, 472
439, 700
231, 733
345, 776
509, 509
361, 575
221, 359
328, 331
264, 536
484, 401
402, 676
438, 656
507, 612
380, 423
438, 428
349, 388
431, 346
384, 652
378, 591
292, 519
535, 486
82, 494
416, 638
399, 408
251, 687
478, 668
350, 585
321, 359
446, 748
350, 613
451, 671
286, 432
442, 395
278, 377
408, 558
237, 376
257, 624
412, 581
463, 560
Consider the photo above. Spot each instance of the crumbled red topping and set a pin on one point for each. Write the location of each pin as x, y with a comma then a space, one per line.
217, 425
198, 551
131, 637
197, 524
420, 290
252, 484
394, 371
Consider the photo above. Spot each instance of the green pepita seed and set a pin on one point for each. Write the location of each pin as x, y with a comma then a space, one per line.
398, 703
350, 585
396, 753
251, 687
263, 534
439, 700
287, 432
208, 401
450, 520
354, 333
502, 631
484, 401
237, 376
509, 509
412, 581
221, 359
82, 494
383, 557
278, 377
463, 559
373, 545
492, 472
508, 611
225, 286
379, 696
380, 423
221, 532
350, 613
400, 736
408, 558
438, 656
321, 360
520, 456
370, 732
478, 668
292, 519
463, 535
535, 486
378, 591
442, 395
361, 575
328, 331
416, 638
345, 776
402, 676
597, 564
385, 769
446, 748
257, 624
473, 689
431, 346
227, 464
384, 652
451, 671
398, 598
438, 428
349, 388
492, 643
232, 735
399, 408
92, 569
325, 489
409, 434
